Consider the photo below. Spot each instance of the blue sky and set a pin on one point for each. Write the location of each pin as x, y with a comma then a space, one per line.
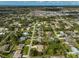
39, 3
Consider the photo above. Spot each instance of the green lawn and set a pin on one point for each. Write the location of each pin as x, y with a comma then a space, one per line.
25, 50
27, 41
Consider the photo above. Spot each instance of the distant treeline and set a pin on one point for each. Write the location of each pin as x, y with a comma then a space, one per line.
13, 11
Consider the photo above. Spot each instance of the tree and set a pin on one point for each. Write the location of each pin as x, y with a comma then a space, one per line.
72, 56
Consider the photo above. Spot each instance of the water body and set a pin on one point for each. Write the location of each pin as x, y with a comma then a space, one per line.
39, 3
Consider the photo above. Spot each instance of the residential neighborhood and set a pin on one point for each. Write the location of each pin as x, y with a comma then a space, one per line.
39, 32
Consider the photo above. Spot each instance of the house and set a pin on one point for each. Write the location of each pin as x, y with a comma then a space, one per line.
25, 33
20, 46
4, 47
22, 38
1, 33
17, 53
74, 50
39, 48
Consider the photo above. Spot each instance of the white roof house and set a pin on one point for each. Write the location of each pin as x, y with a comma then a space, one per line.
22, 38
1, 33
25, 33
74, 50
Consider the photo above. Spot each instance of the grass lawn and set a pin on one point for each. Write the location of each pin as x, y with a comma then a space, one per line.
6, 55
25, 50
27, 41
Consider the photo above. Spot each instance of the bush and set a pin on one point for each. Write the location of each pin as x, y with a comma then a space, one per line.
34, 52
72, 56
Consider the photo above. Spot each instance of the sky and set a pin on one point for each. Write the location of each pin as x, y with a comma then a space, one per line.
39, 3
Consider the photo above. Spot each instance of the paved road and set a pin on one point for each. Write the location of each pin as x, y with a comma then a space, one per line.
4, 40
32, 38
